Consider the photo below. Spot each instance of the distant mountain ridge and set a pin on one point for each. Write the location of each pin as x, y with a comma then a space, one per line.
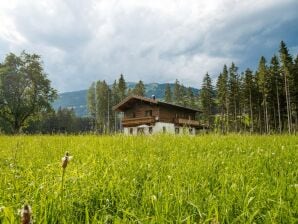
77, 100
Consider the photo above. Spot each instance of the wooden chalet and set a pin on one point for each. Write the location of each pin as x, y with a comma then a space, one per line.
148, 115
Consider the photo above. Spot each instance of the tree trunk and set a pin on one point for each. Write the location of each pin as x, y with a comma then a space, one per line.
288, 105
278, 107
251, 114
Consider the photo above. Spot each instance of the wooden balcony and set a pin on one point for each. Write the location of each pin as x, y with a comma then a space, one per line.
130, 122
187, 122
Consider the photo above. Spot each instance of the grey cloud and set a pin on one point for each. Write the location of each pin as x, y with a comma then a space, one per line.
83, 41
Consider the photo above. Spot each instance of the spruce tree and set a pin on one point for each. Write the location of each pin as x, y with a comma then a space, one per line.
223, 98
122, 88
168, 94
263, 82
286, 69
234, 94
190, 98
91, 104
276, 92
248, 92
207, 99
139, 89
177, 92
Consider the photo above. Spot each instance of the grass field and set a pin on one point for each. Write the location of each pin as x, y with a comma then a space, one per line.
154, 179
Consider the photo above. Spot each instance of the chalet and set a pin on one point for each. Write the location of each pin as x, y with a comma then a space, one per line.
148, 115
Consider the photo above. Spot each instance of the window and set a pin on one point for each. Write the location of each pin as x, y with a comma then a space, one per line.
140, 131
148, 113
150, 130
131, 131
177, 130
164, 129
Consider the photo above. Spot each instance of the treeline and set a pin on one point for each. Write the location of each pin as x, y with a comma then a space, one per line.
261, 101
102, 97
62, 121
264, 101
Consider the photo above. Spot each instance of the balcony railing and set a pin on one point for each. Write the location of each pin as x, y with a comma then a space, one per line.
129, 122
187, 122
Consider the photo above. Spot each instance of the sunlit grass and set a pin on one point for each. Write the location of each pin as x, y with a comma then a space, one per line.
151, 179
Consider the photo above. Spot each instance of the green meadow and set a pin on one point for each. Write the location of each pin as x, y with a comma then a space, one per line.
150, 179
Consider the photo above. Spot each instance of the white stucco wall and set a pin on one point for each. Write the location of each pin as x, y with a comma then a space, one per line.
159, 127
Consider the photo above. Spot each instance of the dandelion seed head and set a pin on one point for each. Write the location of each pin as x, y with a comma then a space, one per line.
65, 159
26, 212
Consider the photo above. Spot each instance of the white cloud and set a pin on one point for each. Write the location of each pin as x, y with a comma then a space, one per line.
156, 41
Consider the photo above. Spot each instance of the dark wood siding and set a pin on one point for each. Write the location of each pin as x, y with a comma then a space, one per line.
139, 110
169, 114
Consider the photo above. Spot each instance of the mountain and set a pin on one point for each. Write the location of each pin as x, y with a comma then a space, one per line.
77, 100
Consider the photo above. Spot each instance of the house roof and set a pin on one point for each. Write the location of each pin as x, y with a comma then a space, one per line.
130, 100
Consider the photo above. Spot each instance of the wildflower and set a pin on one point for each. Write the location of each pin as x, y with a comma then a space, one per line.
65, 160
26, 213
2, 208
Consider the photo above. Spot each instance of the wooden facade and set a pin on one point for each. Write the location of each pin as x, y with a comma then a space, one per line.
146, 111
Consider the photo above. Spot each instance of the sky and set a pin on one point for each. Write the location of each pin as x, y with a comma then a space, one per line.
81, 41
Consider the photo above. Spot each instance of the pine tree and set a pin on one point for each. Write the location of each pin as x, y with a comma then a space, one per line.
103, 107
190, 98
223, 98
207, 99
91, 104
177, 92
286, 67
122, 88
295, 91
263, 82
168, 94
234, 94
115, 99
277, 84
139, 89
248, 92
183, 93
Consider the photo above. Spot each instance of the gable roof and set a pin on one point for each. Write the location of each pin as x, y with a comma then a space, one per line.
128, 101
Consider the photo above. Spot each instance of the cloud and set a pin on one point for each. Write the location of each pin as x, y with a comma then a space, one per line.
156, 41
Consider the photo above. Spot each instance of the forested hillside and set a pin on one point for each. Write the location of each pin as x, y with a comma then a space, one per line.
77, 100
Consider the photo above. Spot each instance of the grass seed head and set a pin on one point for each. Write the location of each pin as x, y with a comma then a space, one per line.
26, 213
65, 160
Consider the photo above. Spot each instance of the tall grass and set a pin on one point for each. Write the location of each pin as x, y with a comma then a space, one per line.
151, 179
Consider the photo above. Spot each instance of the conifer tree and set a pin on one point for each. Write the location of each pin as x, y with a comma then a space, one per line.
177, 92
263, 81
91, 104
168, 94
286, 67
234, 94
190, 98
122, 88
223, 98
207, 99
249, 90
139, 89
276, 92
